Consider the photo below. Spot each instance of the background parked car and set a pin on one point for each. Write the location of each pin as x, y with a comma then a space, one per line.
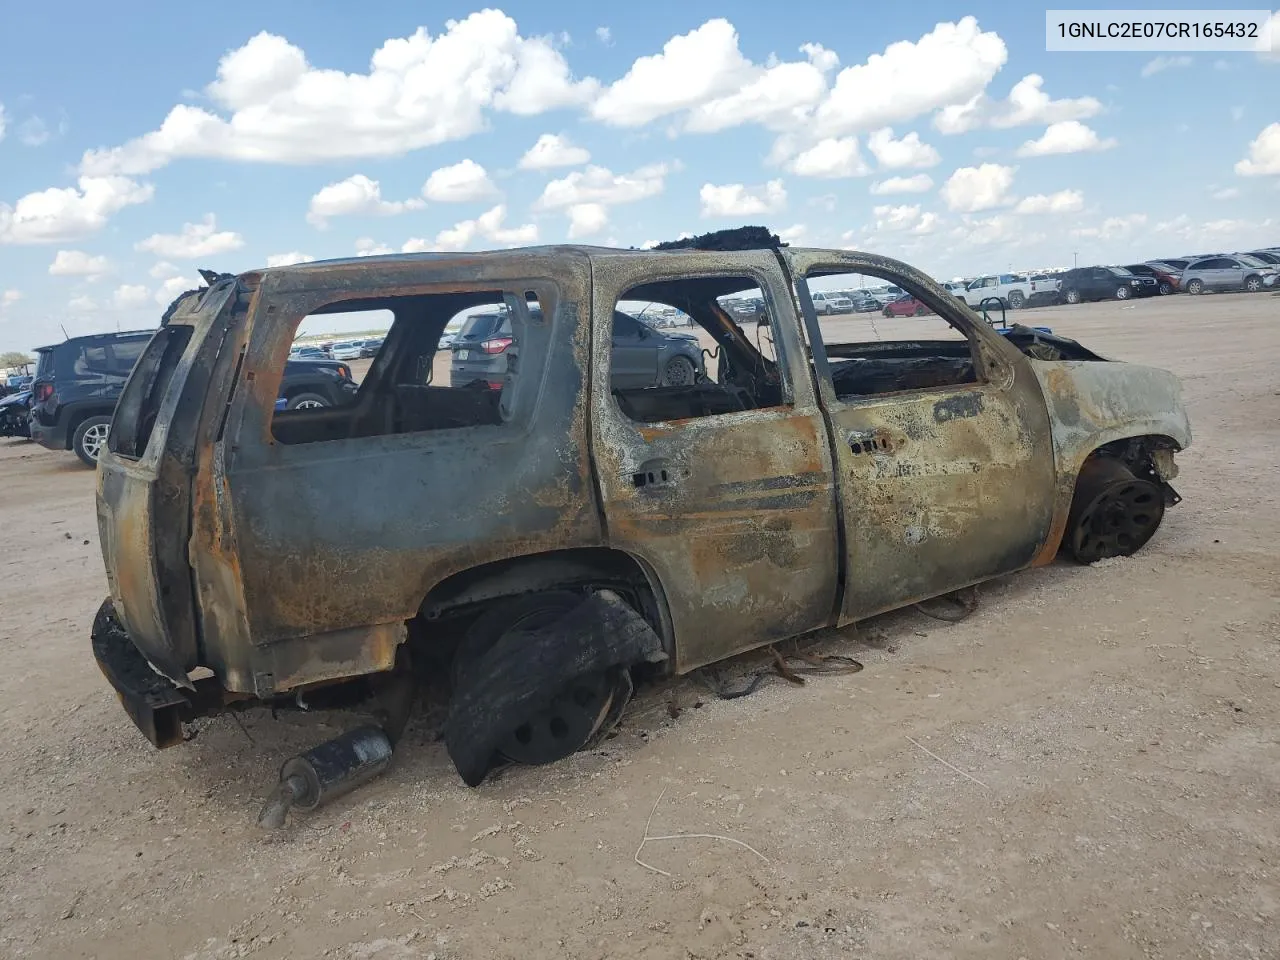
15, 414
370, 347
642, 356
76, 386
307, 352
906, 306
829, 303
1266, 256
346, 350
1241, 272
1104, 283
1167, 280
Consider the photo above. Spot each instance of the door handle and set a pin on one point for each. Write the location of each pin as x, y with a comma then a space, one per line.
656, 474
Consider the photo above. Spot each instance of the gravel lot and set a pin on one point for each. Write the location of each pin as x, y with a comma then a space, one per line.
1088, 766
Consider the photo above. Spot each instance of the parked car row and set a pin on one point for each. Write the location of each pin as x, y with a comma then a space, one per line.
337, 350
78, 382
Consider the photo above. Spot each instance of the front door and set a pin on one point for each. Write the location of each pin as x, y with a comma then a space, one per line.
942, 441
635, 357
722, 488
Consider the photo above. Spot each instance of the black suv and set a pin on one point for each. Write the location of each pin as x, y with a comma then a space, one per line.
78, 382
76, 387
1103, 283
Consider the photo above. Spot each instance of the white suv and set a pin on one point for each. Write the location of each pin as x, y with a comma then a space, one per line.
827, 303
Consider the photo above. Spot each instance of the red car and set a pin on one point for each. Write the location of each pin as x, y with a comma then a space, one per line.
906, 306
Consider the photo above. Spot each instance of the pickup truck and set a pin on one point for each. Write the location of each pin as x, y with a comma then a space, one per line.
551, 542
1012, 290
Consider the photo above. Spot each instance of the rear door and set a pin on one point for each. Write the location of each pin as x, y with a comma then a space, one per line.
635, 353
942, 484
729, 499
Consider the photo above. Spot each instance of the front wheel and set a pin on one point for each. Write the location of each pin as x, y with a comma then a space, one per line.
1017, 300
1195, 288
679, 372
886, 313
1073, 296
1122, 292
1253, 284
1113, 513
921, 311
1166, 288
89, 439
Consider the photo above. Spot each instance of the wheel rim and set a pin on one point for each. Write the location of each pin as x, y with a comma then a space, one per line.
94, 437
1193, 286
566, 724
1016, 301
679, 372
1073, 297
1252, 286
1117, 516
307, 405
1122, 293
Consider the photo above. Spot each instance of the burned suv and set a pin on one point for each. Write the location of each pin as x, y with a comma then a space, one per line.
544, 543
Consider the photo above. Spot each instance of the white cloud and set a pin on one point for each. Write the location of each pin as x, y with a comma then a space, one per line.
920, 183
1264, 154
1064, 201
276, 107
1067, 136
9, 297
1224, 193
605, 36
1112, 227
69, 213
1027, 104
794, 233
830, 158
894, 154
195, 241
488, 226
951, 64
993, 231
130, 295
172, 287
33, 132
973, 189
737, 200
553, 150
587, 219
897, 218
1269, 38
1159, 64
461, 182
163, 270
781, 95
368, 247
355, 196
76, 263
600, 185
82, 304
288, 259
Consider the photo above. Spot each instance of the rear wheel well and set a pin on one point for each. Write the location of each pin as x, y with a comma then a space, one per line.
457, 600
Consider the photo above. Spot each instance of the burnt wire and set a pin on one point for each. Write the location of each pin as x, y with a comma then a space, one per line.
790, 667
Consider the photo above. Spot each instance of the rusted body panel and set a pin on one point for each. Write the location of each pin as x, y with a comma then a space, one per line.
941, 487
743, 534
1095, 403
337, 543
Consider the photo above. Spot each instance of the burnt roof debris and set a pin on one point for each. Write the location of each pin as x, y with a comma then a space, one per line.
739, 238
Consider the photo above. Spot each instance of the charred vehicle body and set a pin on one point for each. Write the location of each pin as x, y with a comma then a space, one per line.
544, 542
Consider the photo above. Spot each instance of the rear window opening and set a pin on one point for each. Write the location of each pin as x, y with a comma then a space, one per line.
448, 361
139, 404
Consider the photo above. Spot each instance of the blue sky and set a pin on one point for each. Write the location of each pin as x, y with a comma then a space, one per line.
943, 135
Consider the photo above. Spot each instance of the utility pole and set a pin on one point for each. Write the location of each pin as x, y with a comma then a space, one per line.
1074, 262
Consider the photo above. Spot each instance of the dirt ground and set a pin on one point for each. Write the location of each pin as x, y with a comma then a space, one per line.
1088, 766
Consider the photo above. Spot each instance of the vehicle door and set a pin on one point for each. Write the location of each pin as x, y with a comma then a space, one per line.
725, 492
980, 289
635, 353
1229, 273
945, 465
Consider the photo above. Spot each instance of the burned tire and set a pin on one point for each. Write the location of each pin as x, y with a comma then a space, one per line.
544, 675
679, 372
89, 439
1113, 513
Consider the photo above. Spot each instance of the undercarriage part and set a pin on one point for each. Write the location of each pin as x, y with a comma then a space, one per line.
790, 667
327, 771
522, 678
951, 607
1113, 513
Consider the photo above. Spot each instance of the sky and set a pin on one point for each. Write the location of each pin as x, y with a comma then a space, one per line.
139, 143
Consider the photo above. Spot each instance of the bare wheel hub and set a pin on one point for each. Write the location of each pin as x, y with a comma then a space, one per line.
1114, 513
570, 721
